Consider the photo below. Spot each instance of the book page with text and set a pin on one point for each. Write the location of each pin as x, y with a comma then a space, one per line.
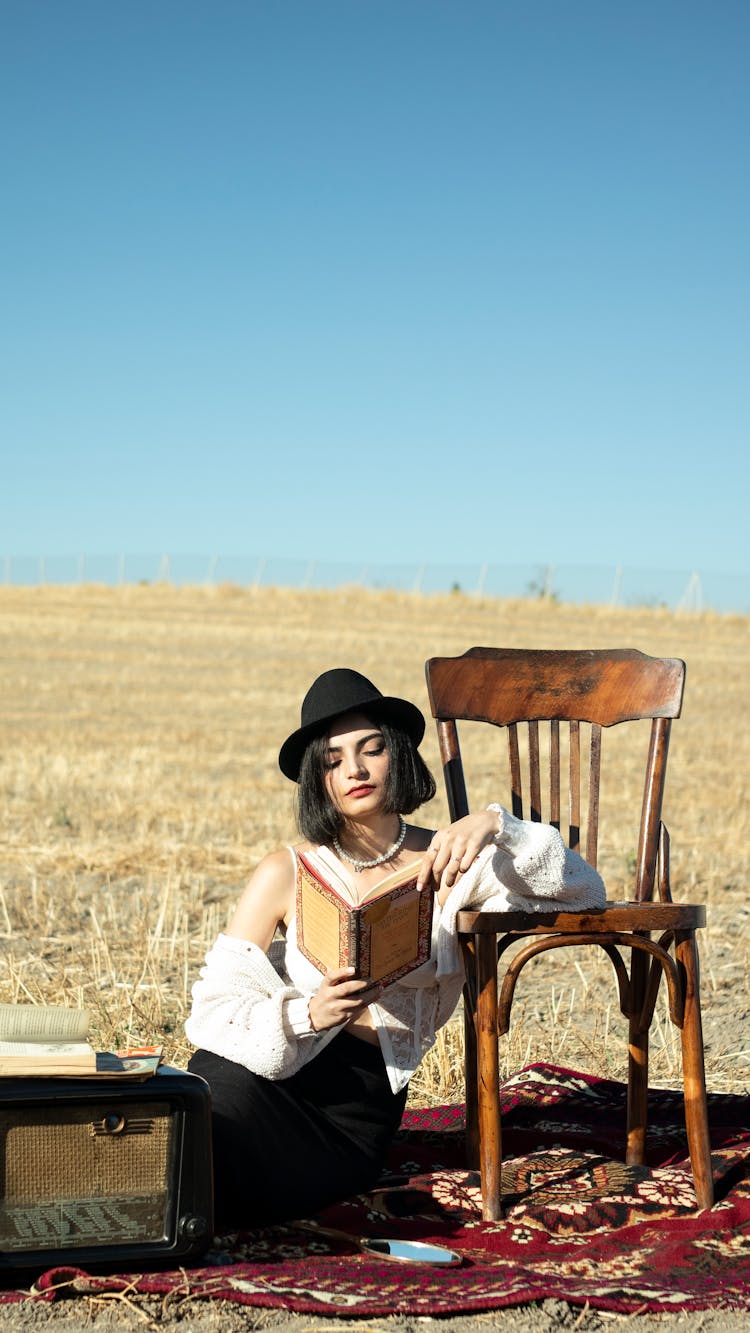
42, 1022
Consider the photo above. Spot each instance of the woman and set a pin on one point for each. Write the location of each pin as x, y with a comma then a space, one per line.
309, 1073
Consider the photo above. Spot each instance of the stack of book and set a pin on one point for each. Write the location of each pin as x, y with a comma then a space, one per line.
40, 1040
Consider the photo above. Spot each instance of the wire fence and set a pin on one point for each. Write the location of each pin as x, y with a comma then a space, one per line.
684, 590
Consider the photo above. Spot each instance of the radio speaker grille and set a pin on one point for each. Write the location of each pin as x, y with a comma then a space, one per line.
45, 1155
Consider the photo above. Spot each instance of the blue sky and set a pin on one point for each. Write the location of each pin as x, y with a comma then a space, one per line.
377, 280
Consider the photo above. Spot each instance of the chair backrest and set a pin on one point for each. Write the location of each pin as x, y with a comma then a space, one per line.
508, 687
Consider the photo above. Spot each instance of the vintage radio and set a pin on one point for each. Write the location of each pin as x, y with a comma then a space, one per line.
104, 1173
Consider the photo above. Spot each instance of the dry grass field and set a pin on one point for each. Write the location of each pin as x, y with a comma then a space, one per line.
139, 787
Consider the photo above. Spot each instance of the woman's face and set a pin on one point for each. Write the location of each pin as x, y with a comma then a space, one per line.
356, 766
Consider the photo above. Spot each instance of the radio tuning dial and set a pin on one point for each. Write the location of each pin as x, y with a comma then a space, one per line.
113, 1123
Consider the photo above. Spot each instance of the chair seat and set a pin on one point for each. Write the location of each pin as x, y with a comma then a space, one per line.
616, 916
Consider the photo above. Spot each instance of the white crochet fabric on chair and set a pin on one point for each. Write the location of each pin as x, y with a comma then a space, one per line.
529, 870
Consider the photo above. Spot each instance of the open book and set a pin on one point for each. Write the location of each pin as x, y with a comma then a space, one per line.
42, 1040
384, 936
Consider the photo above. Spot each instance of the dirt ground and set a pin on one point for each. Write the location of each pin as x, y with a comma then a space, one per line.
138, 785
125, 1315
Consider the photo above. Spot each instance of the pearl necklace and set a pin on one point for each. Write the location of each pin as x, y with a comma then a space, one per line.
378, 860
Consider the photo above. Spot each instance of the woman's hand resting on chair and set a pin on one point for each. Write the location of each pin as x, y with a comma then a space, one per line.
454, 848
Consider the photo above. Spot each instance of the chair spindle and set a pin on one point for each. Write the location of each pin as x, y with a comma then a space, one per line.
554, 773
516, 789
574, 835
535, 784
592, 820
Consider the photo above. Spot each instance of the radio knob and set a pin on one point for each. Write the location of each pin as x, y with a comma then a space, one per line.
113, 1123
193, 1226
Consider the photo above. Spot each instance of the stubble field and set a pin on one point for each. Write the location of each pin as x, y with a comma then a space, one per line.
139, 787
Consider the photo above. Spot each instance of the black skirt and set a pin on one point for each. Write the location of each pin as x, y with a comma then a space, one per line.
287, 1148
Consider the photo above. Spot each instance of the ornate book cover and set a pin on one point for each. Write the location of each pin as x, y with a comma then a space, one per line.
383, 937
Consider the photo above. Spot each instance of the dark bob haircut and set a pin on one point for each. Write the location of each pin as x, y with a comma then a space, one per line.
408, 785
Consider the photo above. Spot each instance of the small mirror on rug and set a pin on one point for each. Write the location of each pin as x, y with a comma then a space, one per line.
380, 1247
409, 1251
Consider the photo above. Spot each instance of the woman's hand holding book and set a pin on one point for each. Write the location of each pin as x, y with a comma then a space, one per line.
339, 998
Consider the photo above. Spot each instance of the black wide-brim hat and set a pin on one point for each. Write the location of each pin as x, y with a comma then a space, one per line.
344, 691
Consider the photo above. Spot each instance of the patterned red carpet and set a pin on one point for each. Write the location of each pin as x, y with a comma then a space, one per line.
579, 1226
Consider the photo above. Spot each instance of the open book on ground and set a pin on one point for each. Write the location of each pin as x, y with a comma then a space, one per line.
384, 936
39, 1040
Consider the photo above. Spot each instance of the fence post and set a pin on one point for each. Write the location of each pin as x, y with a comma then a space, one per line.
692, 598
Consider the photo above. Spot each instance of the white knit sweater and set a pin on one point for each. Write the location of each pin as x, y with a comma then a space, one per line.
247, 1008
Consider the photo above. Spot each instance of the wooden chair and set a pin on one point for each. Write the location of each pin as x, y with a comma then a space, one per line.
510, 687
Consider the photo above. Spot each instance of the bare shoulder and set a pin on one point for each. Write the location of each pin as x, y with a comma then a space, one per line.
276, 865
267, 899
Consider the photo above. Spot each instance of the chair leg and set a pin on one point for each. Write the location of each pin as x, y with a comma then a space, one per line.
693, 1071
470, 1076
637, 1062
488, 1080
